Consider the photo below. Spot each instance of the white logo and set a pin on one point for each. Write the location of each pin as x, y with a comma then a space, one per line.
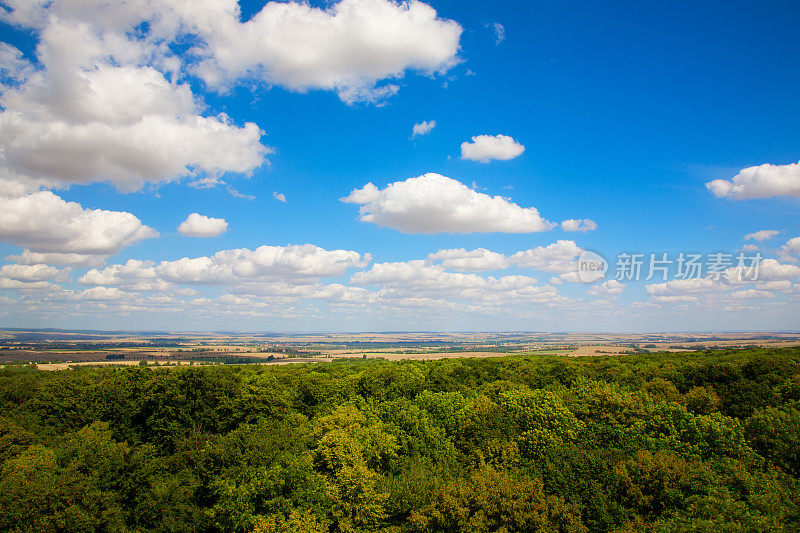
591, 267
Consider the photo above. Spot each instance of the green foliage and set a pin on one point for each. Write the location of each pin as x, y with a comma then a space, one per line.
775, 434
704, 441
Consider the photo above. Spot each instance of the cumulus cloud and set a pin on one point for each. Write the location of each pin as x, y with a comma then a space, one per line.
560, 257
13, 66
15, 284
197, 225
733, 285
476, 260
768, 270
422, 128
43, 223
584, 224
432, 203
751, 294
761, 235
279, 196
102, 294
684, 287
104, 105
606, 289
484, 148
109, 99
763, 181
420, 281
792, 246
347, 48
29, 273
32, 258
288, 264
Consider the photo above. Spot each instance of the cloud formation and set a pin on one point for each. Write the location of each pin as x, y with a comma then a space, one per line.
422, 128
29, 273
108, 98
583, 225
102, 105
484, 148
792, 246
607, 289
418, 280
43, 223
288, 264
197, 225
433, 203
763, 181
499, 33
761, 235
559, 257
477, 260
348, 47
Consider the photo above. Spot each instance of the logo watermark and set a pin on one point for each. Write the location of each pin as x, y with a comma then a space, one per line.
592, 266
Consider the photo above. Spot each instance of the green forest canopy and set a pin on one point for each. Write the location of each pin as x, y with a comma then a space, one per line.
705, 441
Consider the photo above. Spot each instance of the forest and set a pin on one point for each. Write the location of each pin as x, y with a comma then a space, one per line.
700, 441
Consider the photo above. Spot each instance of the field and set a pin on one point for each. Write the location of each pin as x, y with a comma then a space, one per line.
692, 441
59, 350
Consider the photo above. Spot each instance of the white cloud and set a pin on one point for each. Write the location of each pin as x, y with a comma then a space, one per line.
91, 113
236, 194
484, 148
781, 285
792, 246
422, 128
109, 99
32, 258
102, 293
432, 203
499, 33
197, 225
750, 294
684, 287
13, 65
763, 181
476, 260
29, 273
761, 235
347, 48
770, 275
15, 284
45, 224
294, 264
608, 288
584, 224
418, 281
772, 270
279, 196
560, 256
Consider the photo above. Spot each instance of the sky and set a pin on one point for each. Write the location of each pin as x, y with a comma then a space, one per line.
368, 165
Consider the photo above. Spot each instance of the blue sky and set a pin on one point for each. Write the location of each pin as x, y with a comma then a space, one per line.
626, 111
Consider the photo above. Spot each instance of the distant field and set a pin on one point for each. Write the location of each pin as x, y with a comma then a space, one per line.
64, 349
